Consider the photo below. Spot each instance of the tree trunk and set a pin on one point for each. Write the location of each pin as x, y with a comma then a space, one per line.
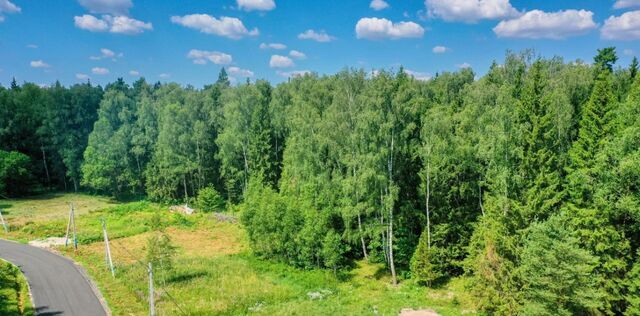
391, 206
46, 169
75, 185
246, 167
428, 193
184, 183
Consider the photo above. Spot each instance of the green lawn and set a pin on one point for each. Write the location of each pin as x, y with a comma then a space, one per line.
214, 270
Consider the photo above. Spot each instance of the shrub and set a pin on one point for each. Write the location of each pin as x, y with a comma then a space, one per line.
209, 200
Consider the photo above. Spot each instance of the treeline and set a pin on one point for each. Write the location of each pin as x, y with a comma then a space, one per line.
526, 180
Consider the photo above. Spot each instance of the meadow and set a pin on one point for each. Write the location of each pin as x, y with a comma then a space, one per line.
214, 270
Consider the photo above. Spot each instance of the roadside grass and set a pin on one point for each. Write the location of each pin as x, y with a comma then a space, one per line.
14, 292
215, 272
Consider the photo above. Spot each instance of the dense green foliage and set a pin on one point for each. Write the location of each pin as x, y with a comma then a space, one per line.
525, 179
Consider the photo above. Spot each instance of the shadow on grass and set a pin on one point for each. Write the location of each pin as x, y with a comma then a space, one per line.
186, 277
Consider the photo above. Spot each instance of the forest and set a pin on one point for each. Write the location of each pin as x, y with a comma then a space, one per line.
525, 180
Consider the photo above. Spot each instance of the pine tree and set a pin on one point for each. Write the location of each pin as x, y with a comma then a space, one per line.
633, 68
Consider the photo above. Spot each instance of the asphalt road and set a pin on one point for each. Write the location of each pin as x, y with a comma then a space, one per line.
58, 286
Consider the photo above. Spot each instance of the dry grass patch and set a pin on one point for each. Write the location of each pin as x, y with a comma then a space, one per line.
51, 206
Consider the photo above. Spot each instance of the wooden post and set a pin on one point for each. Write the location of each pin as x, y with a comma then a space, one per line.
152, 307
6, 229
107, 249
66, 237
73, 222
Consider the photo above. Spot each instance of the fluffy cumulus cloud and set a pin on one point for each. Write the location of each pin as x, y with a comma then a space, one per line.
624, 27
628, 52
278, 61
39, 64
164, 76
113, 24
625, 4
7, 6
201, 57
106, 53
297, 54
463, 65
115, 7
82, 77
134, 73
538, 24
239, 72
320, 36
294, 73
378, 5
224, 26
376, 28
90, 23
470, 11
256, 5
99, 71
440, 49
273, 46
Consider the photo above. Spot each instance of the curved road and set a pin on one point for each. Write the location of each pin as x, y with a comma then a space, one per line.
58, 286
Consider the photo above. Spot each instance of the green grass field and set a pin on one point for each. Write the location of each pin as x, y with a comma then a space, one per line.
214, 270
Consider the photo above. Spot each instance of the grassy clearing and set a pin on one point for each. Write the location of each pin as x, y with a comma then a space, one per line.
14, 292
216, 273
50, 207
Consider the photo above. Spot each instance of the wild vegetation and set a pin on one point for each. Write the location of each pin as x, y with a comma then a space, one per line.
524, 180
14, 292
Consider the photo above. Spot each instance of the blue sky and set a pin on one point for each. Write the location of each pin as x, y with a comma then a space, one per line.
188, 41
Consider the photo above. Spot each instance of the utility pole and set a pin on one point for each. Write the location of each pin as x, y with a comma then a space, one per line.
6, 229
152, 307
71, 224
107, 248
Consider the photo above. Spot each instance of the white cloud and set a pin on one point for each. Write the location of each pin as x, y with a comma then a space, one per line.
294, 73
625, 4
39, 64
134, 73
273, 46
624, 27
239, 72
127, 25
538, 24
321, 36
117, 24
297, 54
106, 53
440, 49
278, 61
116, 7
378, 5
463, 65
7, 6
258, 5
375, 28
32, 46
100, 71
422, 76
90, 23
225, 26
201, 57
164, 76
628, 52
470, 11
82, 77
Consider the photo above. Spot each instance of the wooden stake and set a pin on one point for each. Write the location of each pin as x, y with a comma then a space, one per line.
152, 307
6, 229
107, 249
73, 221
66, 237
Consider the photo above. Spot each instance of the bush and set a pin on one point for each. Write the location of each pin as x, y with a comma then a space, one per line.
15, 177
209, 200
